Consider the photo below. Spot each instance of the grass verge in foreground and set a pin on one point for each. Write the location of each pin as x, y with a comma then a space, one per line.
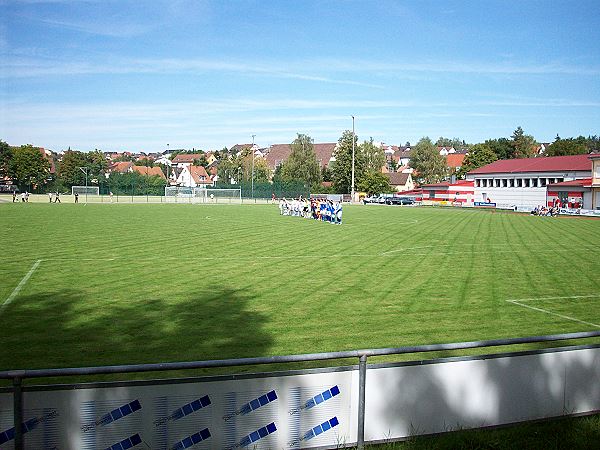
580, 433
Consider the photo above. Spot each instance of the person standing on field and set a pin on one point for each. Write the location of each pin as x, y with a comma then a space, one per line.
50, 197
76, 197
14, 196
57, 197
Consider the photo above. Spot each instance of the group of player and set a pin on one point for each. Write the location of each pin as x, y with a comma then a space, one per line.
323, 210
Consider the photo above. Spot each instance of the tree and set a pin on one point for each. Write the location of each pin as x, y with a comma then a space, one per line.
5, 157
374, 182
455, 143
68, 170
593, 144
501, 147
429, 165
97, 164
342, 167
373, 156
28, 166
326, 174
302, 164
524, 144
570, 146
478, 156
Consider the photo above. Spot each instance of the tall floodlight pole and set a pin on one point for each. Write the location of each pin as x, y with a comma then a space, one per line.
253, 136
168, 167
85, 170
352, 188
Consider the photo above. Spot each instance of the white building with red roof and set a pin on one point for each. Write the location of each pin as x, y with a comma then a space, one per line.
524, 182
194, 176
459, 193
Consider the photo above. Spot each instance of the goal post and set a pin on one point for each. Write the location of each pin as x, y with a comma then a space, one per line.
182, 194
83, 190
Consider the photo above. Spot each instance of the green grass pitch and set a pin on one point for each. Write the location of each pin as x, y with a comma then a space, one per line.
114, 284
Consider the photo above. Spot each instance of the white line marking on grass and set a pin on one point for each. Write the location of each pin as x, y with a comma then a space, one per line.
14, 293
552, 298
515, 302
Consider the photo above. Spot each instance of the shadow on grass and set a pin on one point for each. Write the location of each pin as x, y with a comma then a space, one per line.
63, 329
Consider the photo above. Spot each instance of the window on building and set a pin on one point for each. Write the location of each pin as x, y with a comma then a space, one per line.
519, 182
504, 182
526, 182
511, 182
542, 182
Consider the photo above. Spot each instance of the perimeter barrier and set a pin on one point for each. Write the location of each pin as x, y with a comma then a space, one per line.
331, 407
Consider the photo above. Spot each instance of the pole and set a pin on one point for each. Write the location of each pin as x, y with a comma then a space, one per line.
353, 139
362, 384
253, 165
18, 412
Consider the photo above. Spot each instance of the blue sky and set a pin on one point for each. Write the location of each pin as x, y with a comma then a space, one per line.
119, 75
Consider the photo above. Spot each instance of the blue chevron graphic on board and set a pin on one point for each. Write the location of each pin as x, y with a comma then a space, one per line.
253, 405
317, 399
192, 440
256, 435
130, 442
316, 431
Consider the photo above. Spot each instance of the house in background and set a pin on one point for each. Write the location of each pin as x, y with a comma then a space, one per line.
400, 182
454, 162
182, 160
194, 176
279, 153
149, 171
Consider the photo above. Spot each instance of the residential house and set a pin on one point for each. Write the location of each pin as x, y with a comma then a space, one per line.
149, 171
121, 167
182, 160
401, 182
194, 176
454, 162
279, 153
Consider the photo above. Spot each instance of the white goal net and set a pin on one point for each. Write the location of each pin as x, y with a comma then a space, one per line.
83, 190
179, 194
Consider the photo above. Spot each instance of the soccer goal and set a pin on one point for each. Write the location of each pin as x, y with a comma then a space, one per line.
83, 190
181, 194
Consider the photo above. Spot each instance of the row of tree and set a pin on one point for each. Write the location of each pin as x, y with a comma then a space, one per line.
29, 168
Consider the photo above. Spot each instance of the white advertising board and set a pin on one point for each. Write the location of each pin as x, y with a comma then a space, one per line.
309, 409
298, 411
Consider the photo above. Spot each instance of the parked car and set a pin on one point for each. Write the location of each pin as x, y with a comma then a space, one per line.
399, 201
371, 199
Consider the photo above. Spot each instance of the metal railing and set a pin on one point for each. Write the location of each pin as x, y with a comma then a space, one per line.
17, 376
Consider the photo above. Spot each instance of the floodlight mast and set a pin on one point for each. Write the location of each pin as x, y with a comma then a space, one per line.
253, 136
352, 187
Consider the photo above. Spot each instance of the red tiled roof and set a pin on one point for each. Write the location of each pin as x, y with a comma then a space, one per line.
186, 157
121, 167
279, 153
199, 174
149, 171
581, 182
398, 178
455, 160
541, 164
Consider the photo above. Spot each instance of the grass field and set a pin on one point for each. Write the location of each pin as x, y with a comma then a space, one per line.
84, 285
